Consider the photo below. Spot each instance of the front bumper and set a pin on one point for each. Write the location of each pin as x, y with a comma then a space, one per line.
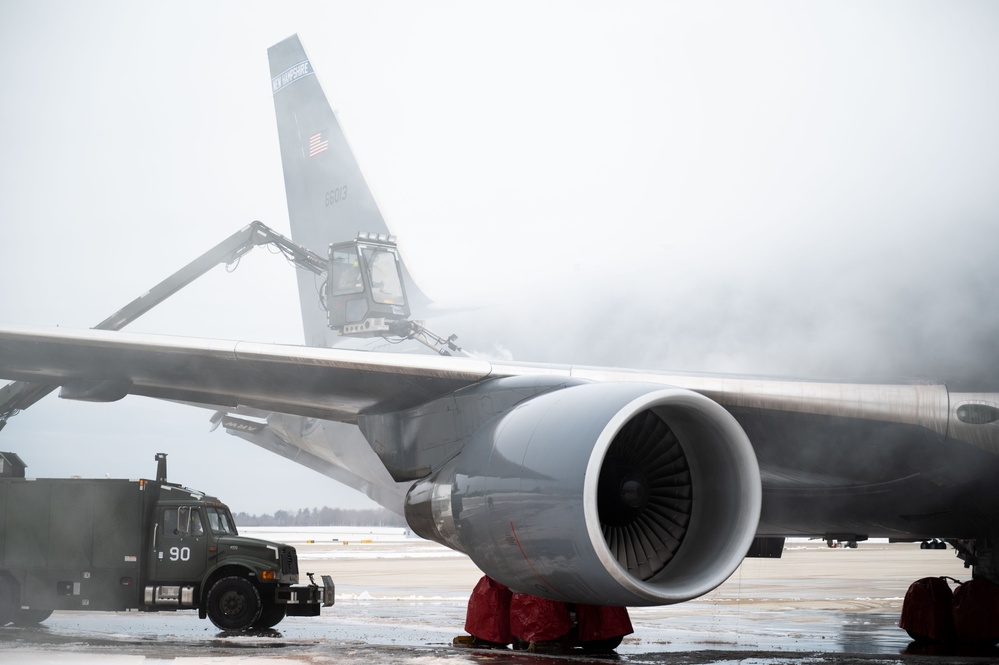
305, 600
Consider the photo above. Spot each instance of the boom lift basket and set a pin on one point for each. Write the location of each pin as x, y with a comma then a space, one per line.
365, 292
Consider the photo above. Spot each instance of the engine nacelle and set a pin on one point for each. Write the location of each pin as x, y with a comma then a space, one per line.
601, 493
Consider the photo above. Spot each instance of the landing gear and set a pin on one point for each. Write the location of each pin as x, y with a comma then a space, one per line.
981, 555
497, 618
968, 615
832, 543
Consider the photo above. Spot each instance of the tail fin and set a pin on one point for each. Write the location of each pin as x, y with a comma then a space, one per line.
328, 198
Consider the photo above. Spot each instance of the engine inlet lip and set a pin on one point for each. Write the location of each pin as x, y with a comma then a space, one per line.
592, 480
671, 398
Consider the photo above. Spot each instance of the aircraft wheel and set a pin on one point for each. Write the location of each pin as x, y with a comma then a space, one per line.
602, 646
920, 639
986, 564
271, 615
31, 617
234, 603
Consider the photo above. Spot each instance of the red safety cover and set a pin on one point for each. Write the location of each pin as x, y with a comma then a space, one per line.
600, 622
976, 612
534, 619
488, 616
926, 610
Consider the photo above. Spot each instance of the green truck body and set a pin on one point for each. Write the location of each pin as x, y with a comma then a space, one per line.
147, 545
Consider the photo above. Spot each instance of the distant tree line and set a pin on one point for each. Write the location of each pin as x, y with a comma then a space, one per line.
324, 516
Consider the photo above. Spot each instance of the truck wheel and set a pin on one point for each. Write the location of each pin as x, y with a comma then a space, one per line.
233, 603
8, 606
270, 616
31, 617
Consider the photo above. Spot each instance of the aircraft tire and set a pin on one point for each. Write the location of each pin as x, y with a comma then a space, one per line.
234, 603
602, 646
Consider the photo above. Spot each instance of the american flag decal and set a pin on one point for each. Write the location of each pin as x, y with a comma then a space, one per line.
319, 142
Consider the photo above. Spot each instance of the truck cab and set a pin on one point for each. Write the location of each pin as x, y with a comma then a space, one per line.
196, 547
147, 545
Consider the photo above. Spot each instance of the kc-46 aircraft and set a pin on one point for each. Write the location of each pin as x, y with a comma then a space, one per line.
582, 484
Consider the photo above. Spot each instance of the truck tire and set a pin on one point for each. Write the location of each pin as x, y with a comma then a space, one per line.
8, 603
31, 617
270, 616
233, 603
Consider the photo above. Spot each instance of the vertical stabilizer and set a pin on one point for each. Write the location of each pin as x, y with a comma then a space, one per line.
328, 198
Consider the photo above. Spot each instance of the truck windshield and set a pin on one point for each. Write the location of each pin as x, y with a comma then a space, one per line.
220, 521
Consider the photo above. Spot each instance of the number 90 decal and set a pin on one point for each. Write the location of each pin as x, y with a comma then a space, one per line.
180, 553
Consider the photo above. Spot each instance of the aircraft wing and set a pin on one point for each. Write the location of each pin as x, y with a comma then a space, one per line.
339, 384
332, 384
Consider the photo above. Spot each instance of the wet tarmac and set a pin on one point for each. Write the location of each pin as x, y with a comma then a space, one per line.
404, 602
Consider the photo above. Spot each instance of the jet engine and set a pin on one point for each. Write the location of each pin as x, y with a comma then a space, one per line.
602, 493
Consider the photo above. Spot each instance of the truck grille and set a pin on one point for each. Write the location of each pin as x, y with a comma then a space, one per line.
289, 560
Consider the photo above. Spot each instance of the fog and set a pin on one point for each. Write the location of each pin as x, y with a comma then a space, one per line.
900, 310
776, 188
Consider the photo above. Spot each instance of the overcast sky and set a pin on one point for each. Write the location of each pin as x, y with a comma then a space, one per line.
803, 189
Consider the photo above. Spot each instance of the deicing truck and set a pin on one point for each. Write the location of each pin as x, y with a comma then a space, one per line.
146, 545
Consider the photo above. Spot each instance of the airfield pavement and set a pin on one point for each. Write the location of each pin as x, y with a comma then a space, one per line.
403, 601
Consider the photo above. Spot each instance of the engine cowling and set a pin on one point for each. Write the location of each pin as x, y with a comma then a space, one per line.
602, 493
